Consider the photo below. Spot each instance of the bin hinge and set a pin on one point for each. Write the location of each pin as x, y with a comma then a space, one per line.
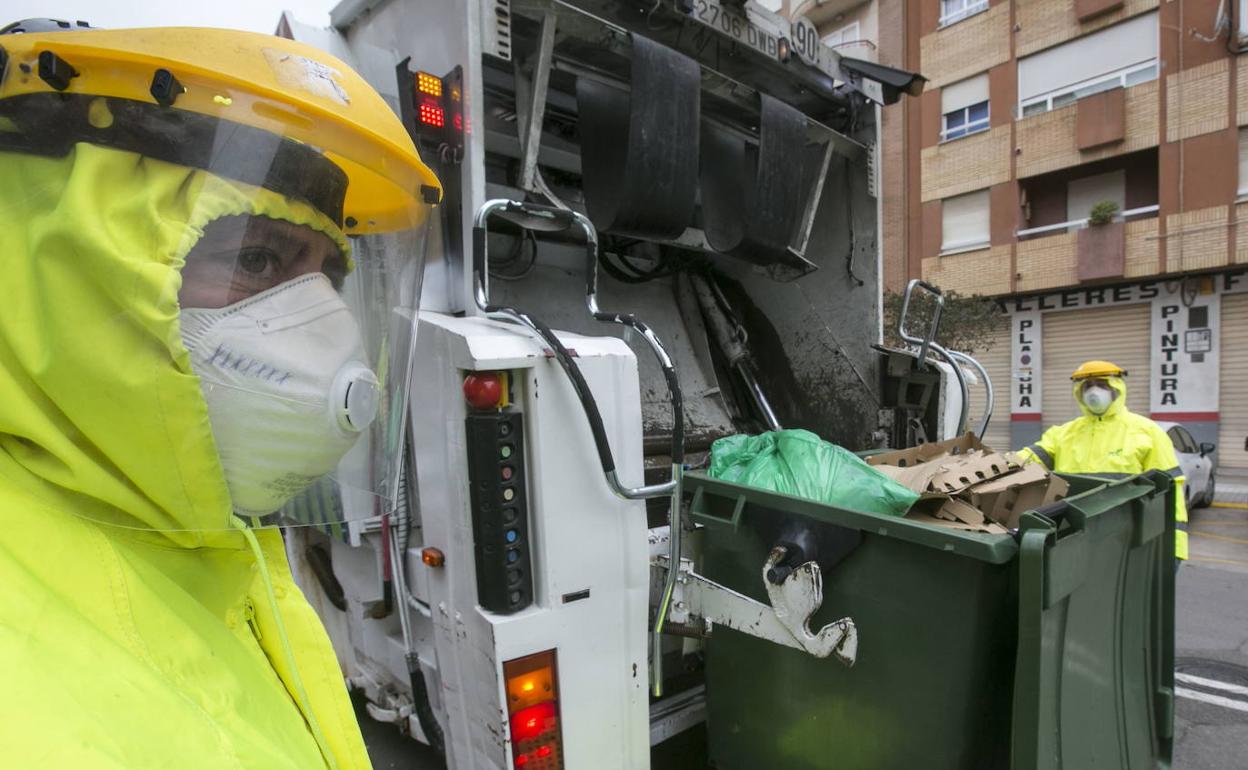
794, 600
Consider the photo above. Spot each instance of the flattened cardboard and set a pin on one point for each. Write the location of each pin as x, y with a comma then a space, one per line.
1005, 499
989, 527
963, 485
916, 478
904, 458
960, 473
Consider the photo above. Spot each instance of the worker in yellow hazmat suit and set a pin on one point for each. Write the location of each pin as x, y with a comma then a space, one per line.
212, 245
1110, 440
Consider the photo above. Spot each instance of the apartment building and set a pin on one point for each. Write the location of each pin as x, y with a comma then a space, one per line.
1035, 112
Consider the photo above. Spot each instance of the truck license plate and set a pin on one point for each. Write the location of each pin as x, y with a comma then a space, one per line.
711, 14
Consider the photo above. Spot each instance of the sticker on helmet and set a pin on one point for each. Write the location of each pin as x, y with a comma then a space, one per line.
310, 75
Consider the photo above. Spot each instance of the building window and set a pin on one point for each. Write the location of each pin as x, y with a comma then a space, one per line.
964, 222
956, 10
964, 105
1139, 73
1120, 56
968, 120
1243, 162
1084, 193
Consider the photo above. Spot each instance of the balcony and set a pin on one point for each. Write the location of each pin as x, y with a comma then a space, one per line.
1051, 140
1052, 256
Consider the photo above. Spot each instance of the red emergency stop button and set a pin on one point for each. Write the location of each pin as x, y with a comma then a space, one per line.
483, 390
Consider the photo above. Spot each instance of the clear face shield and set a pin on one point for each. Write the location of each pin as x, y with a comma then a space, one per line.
303, 351
297, 272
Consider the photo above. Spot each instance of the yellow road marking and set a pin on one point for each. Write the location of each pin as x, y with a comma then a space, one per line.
1238, 506
1227, 538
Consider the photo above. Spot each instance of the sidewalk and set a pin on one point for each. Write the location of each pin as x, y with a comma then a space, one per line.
1231, 488
1218, 534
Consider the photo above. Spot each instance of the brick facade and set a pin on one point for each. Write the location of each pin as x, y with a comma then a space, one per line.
968, 47
1143, 249
972, 163
1196, 100
1182, 123
1241, 234
1197, 239
1045, 23
972, 272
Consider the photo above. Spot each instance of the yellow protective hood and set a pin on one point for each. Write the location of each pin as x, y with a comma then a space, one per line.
125, 648
1116, 407
102, 414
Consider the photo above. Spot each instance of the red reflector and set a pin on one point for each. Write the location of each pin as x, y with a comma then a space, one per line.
432, 115
483, 390
533, 721
522, 760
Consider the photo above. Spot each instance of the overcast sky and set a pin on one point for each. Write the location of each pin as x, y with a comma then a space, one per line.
254, 15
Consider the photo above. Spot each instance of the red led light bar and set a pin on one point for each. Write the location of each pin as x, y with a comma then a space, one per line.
432, 114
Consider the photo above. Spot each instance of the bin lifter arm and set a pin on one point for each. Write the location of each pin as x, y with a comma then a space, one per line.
793, 602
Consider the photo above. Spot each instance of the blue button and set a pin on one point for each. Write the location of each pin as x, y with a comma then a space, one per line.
513, 556
512, 536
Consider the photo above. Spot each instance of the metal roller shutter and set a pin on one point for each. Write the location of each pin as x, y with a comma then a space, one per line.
1120, 334
995, 357
1233, 411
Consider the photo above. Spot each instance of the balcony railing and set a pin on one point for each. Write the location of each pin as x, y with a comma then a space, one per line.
1075, 224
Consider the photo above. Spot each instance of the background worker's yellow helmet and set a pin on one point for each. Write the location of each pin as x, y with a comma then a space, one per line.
1094, 369
161, 84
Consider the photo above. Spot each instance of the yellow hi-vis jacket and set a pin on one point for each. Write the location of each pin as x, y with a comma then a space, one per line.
1116, 444
137, 630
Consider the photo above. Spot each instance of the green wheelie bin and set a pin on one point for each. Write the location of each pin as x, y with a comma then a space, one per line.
1049, 647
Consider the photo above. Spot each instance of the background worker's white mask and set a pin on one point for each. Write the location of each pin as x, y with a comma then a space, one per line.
287, 388
1097, 399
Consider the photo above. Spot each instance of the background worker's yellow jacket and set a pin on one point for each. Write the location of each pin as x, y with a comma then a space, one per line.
1117, 443
136, 629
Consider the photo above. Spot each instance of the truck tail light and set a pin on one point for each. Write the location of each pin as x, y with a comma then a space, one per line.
533, 711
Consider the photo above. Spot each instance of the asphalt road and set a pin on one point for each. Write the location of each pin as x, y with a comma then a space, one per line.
1211, 643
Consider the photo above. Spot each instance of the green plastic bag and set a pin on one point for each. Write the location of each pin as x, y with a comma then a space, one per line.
799, 463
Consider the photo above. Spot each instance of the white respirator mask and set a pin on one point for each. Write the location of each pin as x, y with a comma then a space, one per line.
1097, 399
287, 388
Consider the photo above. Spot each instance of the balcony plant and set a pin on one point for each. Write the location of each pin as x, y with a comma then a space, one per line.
1102, 213
1102, 244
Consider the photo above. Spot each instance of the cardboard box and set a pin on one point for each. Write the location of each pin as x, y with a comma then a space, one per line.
904, 458
1006, 498
964, 485
944, 511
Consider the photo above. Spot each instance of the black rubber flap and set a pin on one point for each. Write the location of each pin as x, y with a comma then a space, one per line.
754, 198
639, 150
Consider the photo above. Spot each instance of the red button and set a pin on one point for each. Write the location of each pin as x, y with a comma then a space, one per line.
483, 390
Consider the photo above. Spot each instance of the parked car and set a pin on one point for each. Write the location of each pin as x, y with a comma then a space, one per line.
1197, 462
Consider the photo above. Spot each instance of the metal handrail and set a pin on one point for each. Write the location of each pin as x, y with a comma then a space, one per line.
991, 396
929, 342
560, 219
556, 217
1082, 222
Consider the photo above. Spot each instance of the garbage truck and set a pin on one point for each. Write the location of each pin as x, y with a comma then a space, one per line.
661, 227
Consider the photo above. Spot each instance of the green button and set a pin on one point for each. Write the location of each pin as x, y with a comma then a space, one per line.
505, 451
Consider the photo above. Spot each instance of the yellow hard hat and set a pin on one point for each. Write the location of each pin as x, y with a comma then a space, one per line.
1092, 369
289, 90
